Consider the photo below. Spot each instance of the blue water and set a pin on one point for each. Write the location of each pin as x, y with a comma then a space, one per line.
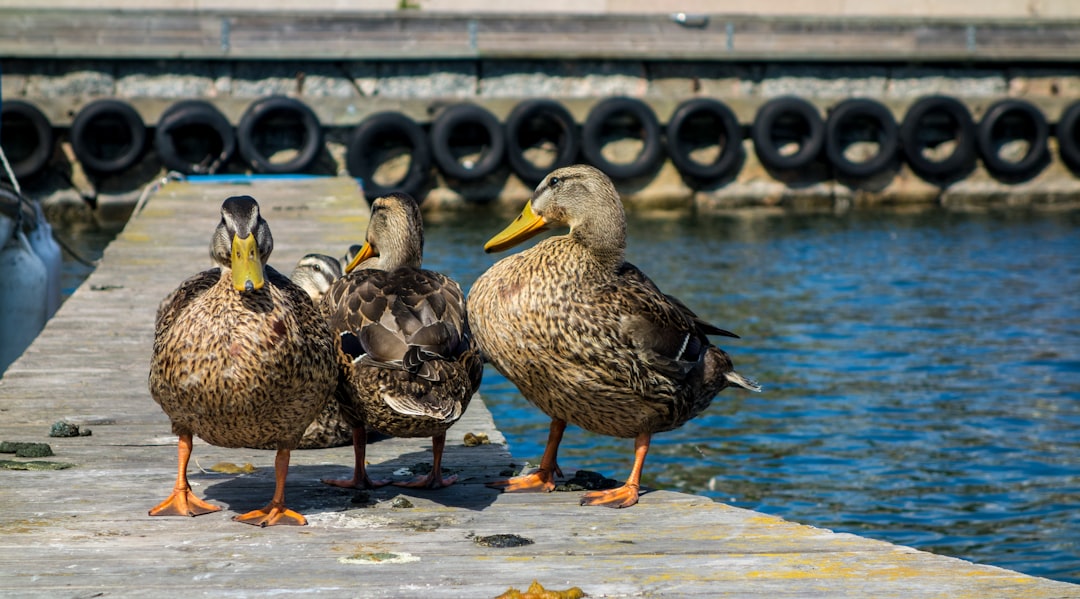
921, 373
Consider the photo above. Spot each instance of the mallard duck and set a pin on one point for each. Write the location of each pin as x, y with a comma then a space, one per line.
409, 364
314, 273
586, 336
242, 358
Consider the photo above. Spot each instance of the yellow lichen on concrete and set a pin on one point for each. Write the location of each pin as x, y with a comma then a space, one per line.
365, 555
766, 520
537, 591
23, 526
231, 468
136, 237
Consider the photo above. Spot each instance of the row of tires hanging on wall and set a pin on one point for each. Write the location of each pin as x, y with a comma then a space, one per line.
789, 134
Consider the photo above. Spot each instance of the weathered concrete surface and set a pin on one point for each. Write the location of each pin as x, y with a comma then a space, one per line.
83, 531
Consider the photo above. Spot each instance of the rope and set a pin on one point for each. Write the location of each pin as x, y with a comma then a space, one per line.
18, 191
71, 252
153, 188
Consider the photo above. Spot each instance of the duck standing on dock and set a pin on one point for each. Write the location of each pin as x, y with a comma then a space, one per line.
409, 363
241, 358
587, 337
314, 273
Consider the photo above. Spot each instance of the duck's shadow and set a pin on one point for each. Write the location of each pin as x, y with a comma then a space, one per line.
306, 493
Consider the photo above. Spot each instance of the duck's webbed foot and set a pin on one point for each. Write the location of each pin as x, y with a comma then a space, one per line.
434, 480
358, 481
183, 502
271, 515
541, 481
619, 497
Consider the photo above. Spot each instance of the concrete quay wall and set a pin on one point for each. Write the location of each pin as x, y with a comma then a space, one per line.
344, 92
1011, 9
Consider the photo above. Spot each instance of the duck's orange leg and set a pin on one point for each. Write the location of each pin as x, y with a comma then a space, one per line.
543, 480
182, 502
360, 479
275, 512
626, 495
434, 479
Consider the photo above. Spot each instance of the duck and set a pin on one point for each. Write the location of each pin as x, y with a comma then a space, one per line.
587, 337
409, 364
314, 273
241, 358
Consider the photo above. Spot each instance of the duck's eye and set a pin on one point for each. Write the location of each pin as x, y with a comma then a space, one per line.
553, 181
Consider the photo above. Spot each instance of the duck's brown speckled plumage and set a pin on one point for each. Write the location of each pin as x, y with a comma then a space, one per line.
610, 345
409, 364
587, 337
314, 273
241, 368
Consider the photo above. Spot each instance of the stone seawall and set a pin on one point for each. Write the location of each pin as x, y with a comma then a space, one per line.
343, 93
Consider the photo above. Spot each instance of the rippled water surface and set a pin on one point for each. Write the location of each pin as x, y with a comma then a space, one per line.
921, 373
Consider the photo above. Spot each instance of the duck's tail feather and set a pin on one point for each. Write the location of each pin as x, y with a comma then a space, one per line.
738, 380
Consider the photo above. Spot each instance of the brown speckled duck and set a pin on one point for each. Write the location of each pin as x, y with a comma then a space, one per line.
409, 364
241, 358
587, 337
314, 273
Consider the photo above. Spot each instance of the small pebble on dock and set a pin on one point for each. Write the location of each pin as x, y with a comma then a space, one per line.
66, 429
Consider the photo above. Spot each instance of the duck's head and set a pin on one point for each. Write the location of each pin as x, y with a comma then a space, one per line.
314, 273
242, 243
395, 234
579, 197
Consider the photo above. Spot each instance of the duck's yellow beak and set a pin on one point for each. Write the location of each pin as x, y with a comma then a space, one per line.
247, 271
527, 224
365, 252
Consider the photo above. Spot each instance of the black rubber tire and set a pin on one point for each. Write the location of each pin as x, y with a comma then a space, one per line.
191, 122
809, 130
286, 115
919, 122
1068, 136
108, 136
29, 138
458, 125
991, 131
642, 119
730, 139
521, 126
379, 131
851, 114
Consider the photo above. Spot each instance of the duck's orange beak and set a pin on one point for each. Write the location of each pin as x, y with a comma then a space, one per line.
525, 226
365, 252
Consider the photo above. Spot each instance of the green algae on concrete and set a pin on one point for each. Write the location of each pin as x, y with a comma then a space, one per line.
26, 450
34, 465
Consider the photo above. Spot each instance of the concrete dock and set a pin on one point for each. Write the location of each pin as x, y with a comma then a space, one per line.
83, 531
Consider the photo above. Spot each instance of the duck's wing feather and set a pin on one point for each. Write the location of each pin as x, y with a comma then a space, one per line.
666, 334
401, 319
429, 405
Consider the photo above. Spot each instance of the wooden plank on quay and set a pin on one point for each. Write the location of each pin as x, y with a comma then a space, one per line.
84, 531
404, 35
